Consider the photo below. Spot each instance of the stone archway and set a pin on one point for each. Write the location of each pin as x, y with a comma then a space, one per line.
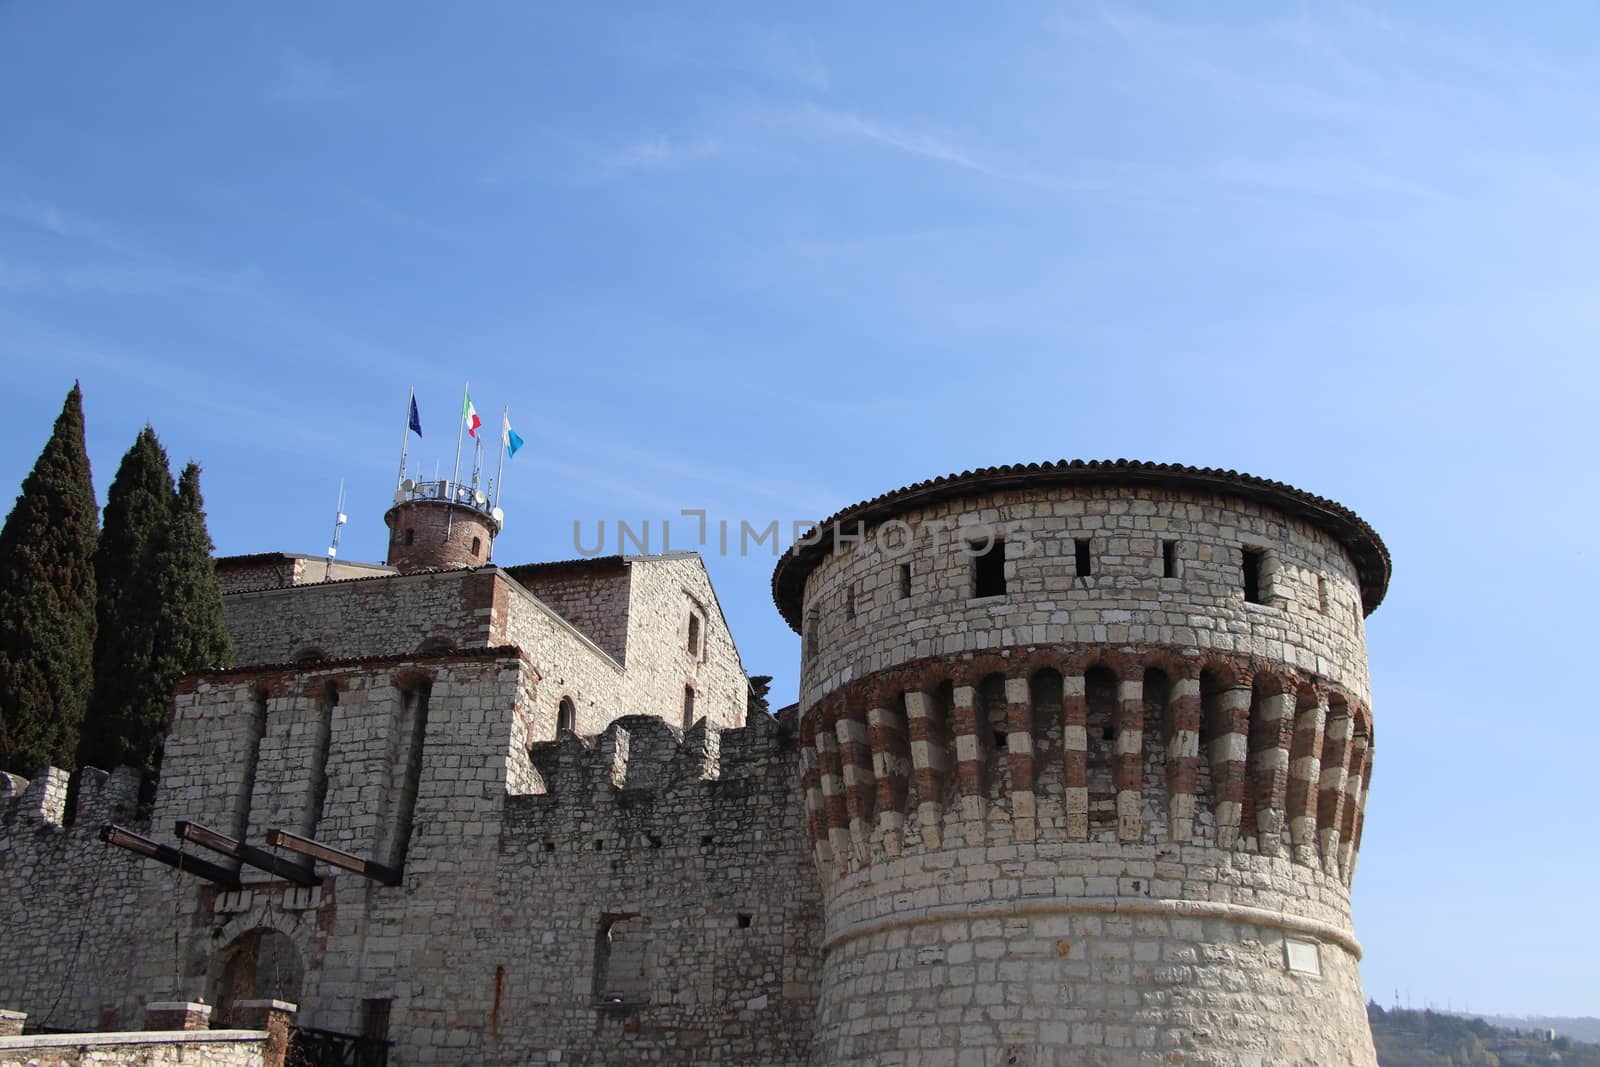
258, 964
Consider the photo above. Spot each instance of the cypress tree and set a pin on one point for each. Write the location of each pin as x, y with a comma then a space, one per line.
131, 691
193, 634
47, 602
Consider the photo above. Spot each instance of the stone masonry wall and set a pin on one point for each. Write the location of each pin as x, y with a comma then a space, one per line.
689, 850
354, 939
1124, 599
134, 1050
385, 616
665, 590
71, 903
590, 594
570, 666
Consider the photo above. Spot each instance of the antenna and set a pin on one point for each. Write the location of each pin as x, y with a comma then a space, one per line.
339, 519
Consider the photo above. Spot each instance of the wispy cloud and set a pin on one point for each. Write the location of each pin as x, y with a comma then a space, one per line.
848, 124
663, 153
301, 79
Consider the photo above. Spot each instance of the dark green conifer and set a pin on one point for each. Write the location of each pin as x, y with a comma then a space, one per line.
47, 603
194, 632
127, 714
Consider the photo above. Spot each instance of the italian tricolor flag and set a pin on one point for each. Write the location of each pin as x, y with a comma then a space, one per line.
469, 415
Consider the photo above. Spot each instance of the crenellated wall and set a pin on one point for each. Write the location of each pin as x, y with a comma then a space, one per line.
70, 904
689, 849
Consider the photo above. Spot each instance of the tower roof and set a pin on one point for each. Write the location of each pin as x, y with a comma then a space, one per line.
1360, 540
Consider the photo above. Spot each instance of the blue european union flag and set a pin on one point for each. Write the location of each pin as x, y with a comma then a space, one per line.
416, 422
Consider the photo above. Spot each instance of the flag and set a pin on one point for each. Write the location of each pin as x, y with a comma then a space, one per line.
416, 421
511, 438
469, 415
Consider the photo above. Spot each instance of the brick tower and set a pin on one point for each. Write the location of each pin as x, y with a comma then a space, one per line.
439, 525
1087, 750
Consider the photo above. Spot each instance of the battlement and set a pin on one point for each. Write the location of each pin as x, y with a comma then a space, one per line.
640, 757
31, 804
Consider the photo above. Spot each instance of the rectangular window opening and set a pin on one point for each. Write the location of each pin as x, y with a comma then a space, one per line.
1322, 594
688, 706
989, 568
1169, 559
905, 581
1081, 551
694, 633
1252, 575
850, 602
744, 920
375, 1018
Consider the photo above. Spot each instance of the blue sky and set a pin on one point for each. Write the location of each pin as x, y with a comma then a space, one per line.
772, 260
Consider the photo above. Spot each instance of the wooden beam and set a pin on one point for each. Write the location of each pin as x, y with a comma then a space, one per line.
298, 873
378, 872
113, 834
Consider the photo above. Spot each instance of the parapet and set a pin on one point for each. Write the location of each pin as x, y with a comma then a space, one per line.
639, 758
31, 804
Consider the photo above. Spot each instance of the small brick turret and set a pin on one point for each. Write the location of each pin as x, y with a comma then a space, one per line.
438, 525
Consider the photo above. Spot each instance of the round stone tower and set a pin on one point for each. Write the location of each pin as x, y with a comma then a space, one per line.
1086, 752
435, 525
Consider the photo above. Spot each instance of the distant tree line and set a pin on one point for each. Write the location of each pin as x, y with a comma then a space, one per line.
98, 624
1434, 1039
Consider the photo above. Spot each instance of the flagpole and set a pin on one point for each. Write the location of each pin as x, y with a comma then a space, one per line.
500, 471
455, 477
405, 435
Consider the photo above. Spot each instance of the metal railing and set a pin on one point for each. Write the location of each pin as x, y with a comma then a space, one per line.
462, 494
310, 1047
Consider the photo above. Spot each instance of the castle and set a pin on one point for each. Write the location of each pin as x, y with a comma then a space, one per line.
1077, 776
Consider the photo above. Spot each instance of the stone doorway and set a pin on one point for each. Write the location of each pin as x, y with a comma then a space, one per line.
259, 964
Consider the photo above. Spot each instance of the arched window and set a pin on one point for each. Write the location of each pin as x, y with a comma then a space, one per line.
411, 536
566, 717
477, 546
694, 633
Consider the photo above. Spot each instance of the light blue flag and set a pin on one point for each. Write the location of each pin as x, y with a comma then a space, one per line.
513, 439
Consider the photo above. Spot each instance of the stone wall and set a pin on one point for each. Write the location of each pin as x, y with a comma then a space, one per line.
570, 666
689, 850
666, 591
592, 594
227, 1049
71, 903
385, 616
1314, 627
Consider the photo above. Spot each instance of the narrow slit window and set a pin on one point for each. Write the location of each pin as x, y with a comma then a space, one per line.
411, 536
688, 706
694, 633
566, 716
477, 546
905, 581
1322, 594
1084, 560
850, 602
1169, 559
1252, 575
989, 569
